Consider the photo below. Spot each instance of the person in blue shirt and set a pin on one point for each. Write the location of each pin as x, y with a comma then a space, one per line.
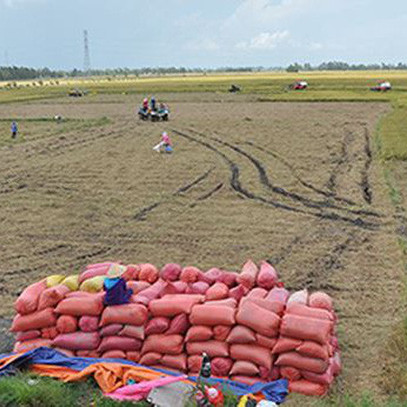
153, 103
14, 130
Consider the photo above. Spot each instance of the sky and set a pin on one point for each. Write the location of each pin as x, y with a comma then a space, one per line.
204, 33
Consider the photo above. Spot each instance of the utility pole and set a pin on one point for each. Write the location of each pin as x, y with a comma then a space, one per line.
86, 57
6, 58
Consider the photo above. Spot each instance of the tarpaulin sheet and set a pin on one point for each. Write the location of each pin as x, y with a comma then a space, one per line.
112, 374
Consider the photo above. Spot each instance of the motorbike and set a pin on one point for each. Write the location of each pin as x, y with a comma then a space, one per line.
143, 114
164, 114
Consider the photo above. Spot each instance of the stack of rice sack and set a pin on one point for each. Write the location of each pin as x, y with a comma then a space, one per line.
169, 308
211, 324
258, 319
171, 301
77, 324
35, 324
211, 320
246, 322
89, 328
122, 331
307, 348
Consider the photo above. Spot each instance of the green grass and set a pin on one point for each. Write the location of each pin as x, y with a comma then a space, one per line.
391, 144
394, 133
394, 192
29, 390
364, 400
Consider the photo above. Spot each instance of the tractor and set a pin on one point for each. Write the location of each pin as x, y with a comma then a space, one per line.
381, 87
234, 88
163, 113
143, 113
76, 93
298, 85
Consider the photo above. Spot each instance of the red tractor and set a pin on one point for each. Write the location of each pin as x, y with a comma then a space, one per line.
382, 87
299, 85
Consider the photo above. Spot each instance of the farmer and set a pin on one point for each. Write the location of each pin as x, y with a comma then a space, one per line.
14, 130
165, 144
153, 103
145, 104
166, 139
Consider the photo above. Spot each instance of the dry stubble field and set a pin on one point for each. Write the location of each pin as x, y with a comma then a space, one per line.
294, 183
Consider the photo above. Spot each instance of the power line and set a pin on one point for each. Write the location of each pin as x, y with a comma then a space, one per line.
86, 57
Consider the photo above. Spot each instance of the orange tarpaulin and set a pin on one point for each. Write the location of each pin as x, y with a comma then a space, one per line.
109, 376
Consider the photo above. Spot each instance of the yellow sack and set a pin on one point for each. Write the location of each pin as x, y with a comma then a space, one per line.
116, 270
54, 280
72, 282
242, 401
93, 285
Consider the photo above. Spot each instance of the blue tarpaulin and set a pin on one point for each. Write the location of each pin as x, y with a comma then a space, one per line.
274, 391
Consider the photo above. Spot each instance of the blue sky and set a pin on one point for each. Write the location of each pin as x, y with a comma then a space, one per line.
205, 33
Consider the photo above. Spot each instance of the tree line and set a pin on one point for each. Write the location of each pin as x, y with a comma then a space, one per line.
12, 73
343, 66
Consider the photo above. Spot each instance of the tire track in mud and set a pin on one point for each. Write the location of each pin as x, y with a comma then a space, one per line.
281, 191
235, 175
315, 275
343, 159
207, 195
364, 153
210, 193
365, 185
237, 186
193, 183
321, 266
315, 278
285, 252
266, 182
306, 184
142, 213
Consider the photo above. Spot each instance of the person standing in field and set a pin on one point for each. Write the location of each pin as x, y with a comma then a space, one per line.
153, 104
145, 104
14, 130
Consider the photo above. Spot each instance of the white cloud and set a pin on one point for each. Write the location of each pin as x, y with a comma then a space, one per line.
206, 44
265, 12
264, 40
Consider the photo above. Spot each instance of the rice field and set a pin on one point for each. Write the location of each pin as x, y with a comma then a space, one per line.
316, 186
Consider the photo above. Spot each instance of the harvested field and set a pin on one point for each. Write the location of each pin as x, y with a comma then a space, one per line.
295, 183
